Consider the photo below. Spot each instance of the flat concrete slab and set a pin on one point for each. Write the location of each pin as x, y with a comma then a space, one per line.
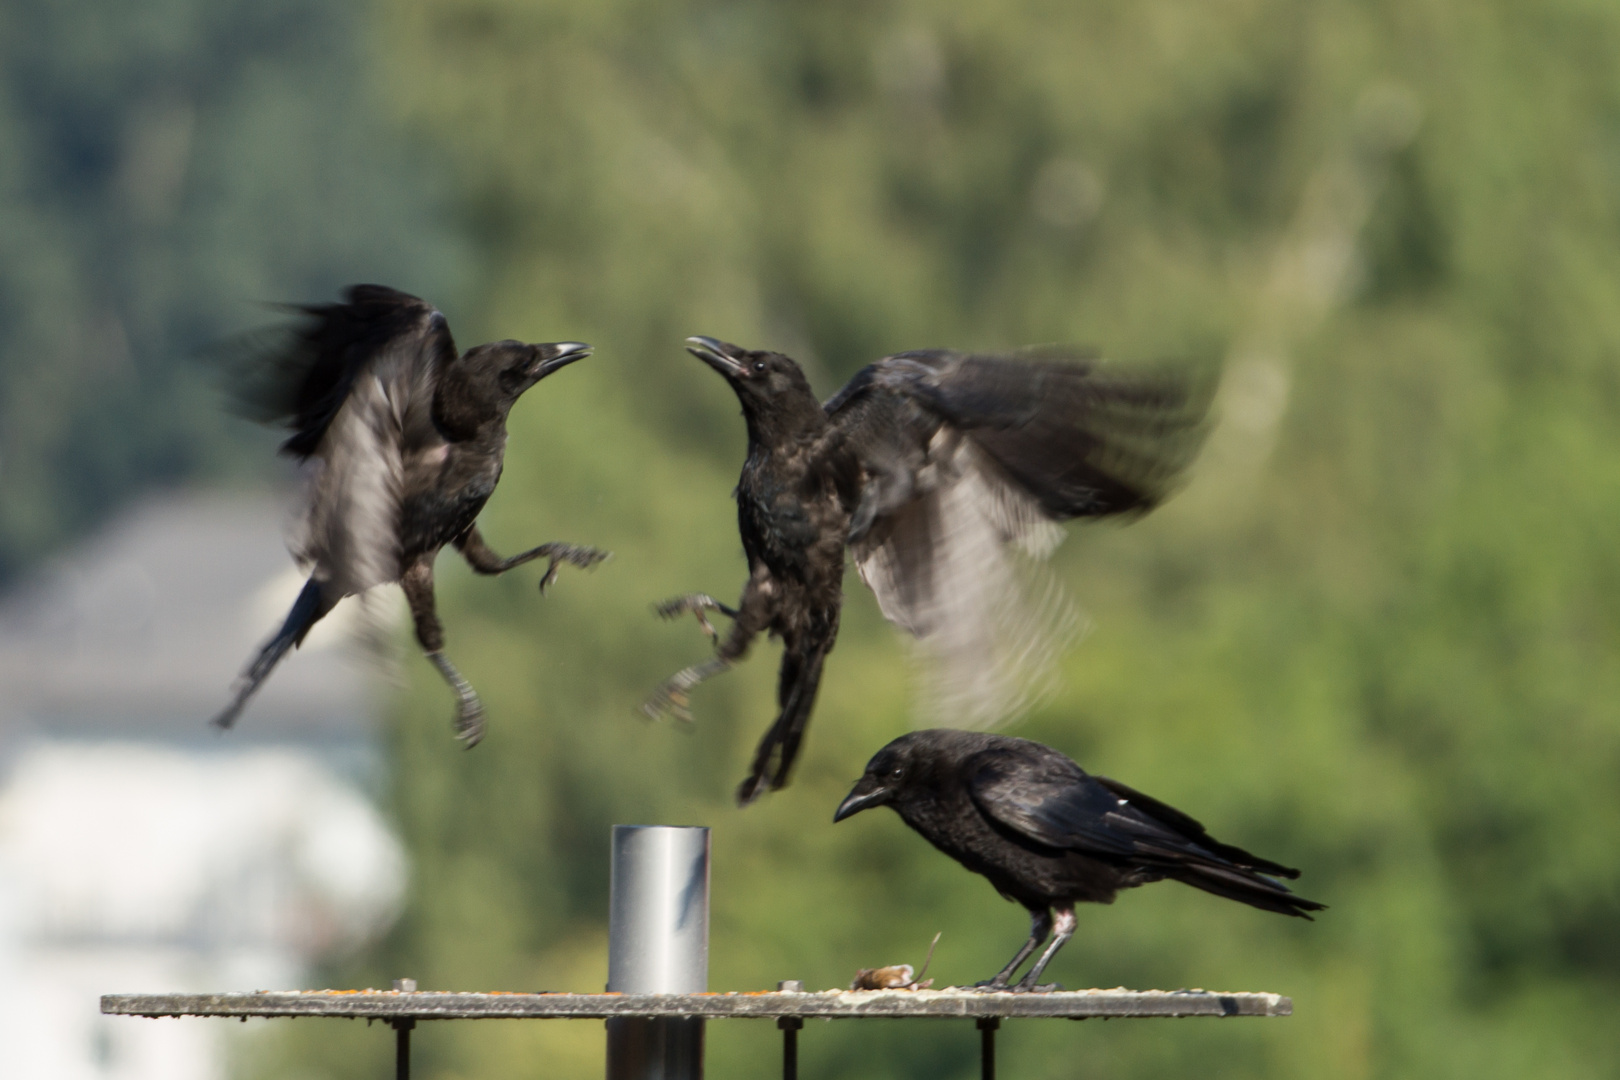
827, 1005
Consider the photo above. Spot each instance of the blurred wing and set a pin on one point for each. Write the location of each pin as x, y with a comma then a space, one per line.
1080, 438
364, 401
969, 463
300, 375
952, 567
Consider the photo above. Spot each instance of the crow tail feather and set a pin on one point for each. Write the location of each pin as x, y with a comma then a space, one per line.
307, 610
1246, 887
799, 680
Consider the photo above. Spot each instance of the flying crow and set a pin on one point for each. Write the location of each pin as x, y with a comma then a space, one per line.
406, 437
1049, 836
936, 469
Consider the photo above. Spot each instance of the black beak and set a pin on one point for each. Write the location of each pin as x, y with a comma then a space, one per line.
559, 355
717, 354
865, 796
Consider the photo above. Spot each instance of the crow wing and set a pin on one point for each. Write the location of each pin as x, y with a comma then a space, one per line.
355, 382
1039, 794
969, 462
1192, 831
1042, 796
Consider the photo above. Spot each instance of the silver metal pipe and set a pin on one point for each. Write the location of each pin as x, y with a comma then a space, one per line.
658, 943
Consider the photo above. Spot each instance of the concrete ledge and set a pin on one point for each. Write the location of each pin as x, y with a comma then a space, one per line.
829, 1005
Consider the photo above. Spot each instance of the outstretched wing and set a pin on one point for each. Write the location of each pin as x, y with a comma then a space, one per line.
354, 381
969, 462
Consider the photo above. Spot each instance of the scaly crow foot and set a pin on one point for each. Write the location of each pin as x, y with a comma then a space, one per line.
671, 697
697, 604
573, 554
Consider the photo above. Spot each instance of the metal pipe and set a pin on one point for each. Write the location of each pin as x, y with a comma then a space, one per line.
658, 943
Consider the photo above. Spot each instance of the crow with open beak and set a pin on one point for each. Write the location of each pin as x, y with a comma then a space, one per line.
936, 470
406, 437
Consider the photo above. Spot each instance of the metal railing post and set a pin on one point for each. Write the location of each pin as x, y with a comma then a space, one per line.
402, 1034
790, 1027
987, 1046
658, 943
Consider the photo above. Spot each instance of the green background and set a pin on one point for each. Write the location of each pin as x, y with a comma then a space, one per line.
1375, 637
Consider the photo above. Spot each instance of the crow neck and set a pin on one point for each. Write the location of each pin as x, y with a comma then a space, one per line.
777, 425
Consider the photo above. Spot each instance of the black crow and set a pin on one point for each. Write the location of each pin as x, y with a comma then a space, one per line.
932, 468
1049, 836
407, 438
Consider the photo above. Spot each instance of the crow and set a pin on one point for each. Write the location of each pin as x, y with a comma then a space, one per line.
1049, 836
932, 468
406, 437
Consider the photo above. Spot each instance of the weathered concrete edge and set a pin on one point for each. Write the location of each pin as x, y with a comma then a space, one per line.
831, 1005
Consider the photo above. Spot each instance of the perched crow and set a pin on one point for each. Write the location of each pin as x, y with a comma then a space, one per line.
1049, 836
933, 468
408, 438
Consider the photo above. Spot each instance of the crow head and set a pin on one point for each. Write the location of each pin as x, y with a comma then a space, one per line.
513, 367
886, 781
488, 379
776, 397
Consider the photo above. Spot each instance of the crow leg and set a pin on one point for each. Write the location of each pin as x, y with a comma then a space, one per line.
1064, 926
417, 582
672, 695
752, 614
483, 559
469, 719
311, 606
697, 604
1040, 925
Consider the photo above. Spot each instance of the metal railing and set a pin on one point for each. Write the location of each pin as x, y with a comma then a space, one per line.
657, 1002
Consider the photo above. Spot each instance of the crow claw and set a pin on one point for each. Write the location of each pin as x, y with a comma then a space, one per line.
668, 699
469, 723
573, 554
697, 604
1030, 988
671, 697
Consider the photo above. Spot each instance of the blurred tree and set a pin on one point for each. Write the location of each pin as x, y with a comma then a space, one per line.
1377, 637
163, 168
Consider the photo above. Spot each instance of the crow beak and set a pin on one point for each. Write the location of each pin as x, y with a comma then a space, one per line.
717, 354
862, 798
559, 355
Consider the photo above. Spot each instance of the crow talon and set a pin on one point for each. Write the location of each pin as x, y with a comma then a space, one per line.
573, 554
668, 700
469, 723
697, 604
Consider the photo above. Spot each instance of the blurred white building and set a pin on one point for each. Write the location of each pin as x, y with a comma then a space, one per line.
142, 851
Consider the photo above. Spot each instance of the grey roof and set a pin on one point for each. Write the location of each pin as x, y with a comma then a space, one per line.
141, 631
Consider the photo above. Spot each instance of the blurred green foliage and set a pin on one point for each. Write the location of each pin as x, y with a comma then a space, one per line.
164, 166
1375, 638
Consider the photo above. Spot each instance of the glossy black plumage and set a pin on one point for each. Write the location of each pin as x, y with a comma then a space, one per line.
1048, 835
935, 469
406, 438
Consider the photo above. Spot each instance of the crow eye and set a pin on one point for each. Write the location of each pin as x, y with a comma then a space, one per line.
759, 367
897, 773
